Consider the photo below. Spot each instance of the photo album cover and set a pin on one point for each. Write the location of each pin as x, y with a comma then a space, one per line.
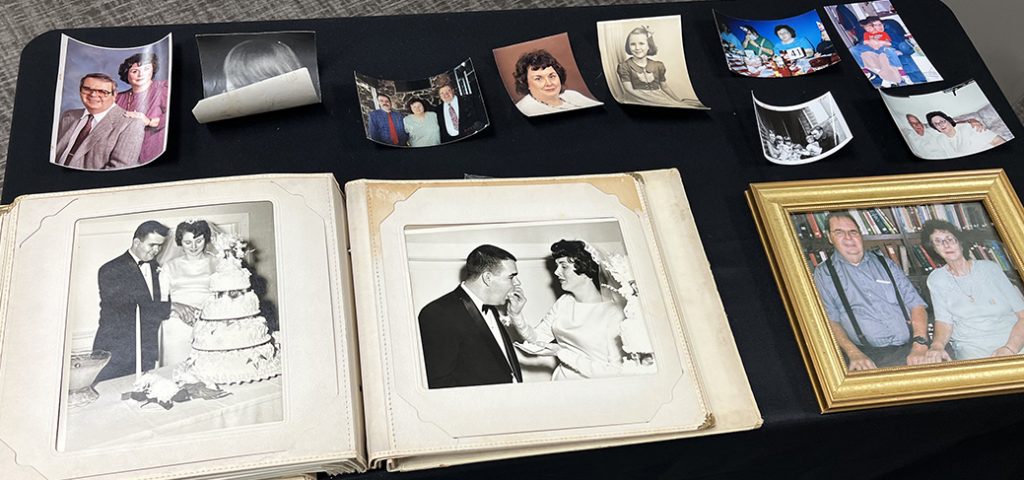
195, 338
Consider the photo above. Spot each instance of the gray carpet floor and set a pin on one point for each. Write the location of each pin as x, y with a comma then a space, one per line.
23, 20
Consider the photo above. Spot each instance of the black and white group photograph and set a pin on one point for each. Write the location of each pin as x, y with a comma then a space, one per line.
526, 302
804, 133
173, 324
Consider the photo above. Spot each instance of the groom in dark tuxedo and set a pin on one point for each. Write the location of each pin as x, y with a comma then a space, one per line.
464, 342
130, 281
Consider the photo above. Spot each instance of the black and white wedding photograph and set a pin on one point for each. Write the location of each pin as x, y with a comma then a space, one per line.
173, 325
803, 133
526, 302
424, 112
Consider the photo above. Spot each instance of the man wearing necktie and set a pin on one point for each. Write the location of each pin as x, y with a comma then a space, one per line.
131, 282
99, 136
464, 341
458, 116
386, 125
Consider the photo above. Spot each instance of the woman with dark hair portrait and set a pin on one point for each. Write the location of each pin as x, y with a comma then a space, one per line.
540, 77
581, 328
961, 138
255, 60
642, 77
755, 43
421, 124
186, 280
788, 41
146, 99
976, 307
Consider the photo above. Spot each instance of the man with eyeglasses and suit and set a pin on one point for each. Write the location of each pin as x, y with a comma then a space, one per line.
99, 136
875, 314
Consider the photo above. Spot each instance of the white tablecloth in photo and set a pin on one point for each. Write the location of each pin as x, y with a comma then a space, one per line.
112, 421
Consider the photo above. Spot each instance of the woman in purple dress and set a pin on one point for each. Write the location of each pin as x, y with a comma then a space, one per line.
146, 100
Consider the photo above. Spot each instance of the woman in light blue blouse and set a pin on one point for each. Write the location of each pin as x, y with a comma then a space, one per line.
976, 307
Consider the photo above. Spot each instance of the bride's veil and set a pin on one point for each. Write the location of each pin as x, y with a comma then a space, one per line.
171, 249
618, 285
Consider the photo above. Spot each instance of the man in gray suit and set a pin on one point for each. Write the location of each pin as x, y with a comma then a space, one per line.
98, 136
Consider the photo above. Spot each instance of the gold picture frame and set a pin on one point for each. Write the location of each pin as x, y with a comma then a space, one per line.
776, 204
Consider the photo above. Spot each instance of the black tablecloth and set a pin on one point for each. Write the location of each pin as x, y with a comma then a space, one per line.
717, 152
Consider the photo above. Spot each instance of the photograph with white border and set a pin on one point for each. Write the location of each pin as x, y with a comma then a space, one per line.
950, 123
634, 76
803, 133
173, 319
564, 298
111, 106
881, 44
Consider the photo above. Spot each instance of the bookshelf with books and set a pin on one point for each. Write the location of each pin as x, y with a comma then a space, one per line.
894, 231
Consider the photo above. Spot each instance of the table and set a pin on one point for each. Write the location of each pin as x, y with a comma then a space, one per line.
111, 421
718, 153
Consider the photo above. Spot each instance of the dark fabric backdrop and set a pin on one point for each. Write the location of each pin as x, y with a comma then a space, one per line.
717, 151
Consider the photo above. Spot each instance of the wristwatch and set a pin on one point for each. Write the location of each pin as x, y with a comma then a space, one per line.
921, 340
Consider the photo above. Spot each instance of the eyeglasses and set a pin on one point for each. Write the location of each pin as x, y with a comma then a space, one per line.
846, 234
944, 241
89, 91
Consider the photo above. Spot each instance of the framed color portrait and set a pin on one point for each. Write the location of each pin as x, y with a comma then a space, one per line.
900, 289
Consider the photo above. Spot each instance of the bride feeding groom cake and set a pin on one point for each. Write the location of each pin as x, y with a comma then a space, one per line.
594, 329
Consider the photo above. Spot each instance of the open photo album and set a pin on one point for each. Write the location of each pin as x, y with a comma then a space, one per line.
271, 325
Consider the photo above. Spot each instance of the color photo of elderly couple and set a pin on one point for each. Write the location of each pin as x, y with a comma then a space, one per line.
914, 284
540, 308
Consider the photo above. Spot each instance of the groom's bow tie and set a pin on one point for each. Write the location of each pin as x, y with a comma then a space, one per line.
143, 262
491, 308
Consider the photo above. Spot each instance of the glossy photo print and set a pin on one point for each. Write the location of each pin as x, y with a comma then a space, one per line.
949, 123
430, 111
111, 106
881, 44
542, 78
250, 73
644, 63
784, 47
804, 133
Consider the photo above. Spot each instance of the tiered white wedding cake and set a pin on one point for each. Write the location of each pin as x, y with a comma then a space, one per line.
231, 343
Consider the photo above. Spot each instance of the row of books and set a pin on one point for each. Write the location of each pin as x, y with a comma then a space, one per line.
896, 220
916, 259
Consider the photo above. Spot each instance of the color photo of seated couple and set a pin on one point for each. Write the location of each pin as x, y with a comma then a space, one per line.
556, 309
915, 284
